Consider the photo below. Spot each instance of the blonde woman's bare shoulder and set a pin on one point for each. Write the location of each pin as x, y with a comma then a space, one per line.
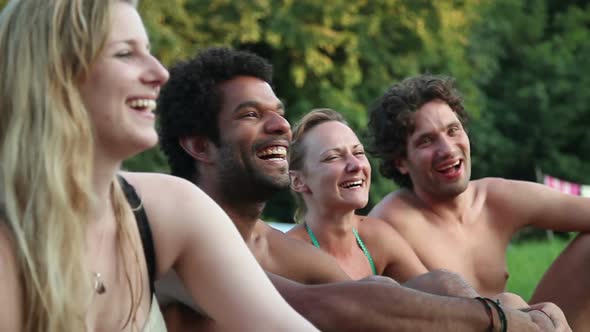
10, 287
158, 182
7, 252
169, 198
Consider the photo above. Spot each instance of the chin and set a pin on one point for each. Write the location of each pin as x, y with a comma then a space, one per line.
357, 204
456, 190
140, 145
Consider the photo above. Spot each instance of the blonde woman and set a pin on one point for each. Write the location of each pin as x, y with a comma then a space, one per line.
331, 176
77, 88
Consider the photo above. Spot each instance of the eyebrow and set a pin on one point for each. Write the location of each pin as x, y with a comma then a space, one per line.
339, 148
130, 42
257, 105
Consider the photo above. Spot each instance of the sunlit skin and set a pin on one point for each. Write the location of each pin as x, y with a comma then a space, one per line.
186, 225
335, 182
466, 226
438, 153
276, 253
120, 90
255, 137
125, 74
437, 143
247, 168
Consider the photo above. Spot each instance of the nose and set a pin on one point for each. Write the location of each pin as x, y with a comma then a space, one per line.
155, 74
445, 146
277, 124
353, 164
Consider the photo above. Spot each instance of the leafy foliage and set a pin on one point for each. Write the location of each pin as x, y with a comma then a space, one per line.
521, 65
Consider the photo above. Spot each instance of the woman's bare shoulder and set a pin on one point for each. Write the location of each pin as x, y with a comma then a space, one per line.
10, 287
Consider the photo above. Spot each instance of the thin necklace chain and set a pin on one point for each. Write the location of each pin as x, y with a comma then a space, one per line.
99, 285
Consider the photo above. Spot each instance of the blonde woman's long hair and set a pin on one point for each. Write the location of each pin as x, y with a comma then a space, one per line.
297, 149
46, 155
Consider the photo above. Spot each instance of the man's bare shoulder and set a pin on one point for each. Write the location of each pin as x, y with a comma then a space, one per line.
376, 230
397, 208
372, 225
503, 190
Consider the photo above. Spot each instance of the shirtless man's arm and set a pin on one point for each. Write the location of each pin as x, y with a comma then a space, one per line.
533, 204
392, 253
561, 284
374, 306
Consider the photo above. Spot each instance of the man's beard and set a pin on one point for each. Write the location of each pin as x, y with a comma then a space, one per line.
242, 182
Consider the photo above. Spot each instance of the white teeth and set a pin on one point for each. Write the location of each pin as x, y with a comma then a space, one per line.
277, 151
450, 166
350, 184
142, 104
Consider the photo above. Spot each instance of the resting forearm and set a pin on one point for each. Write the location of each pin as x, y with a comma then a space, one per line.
375, 306
356, 306
442, 282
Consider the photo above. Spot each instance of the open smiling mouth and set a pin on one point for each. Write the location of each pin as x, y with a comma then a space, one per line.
273, 153
142, 105
450, 169
352, 184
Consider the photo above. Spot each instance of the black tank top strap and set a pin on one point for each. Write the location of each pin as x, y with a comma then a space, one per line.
145, 231
3, 217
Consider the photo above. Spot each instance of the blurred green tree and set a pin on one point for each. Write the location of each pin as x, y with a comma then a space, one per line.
521, 65
537, 102
338, 54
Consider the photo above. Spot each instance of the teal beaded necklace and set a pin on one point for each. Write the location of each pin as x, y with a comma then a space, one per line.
360, 243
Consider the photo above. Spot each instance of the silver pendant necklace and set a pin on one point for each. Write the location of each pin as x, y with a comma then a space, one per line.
99, 286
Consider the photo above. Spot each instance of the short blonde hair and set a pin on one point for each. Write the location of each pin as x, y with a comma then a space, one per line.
297, 149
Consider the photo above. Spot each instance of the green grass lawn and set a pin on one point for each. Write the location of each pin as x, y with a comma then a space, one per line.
528, 261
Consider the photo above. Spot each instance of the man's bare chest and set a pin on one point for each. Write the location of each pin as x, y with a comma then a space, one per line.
477, 253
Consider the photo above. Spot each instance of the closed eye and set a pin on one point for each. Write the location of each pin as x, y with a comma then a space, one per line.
250, 114
453, 130
124, 54
424, 140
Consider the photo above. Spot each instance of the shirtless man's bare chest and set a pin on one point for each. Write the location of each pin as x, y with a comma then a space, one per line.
473, 245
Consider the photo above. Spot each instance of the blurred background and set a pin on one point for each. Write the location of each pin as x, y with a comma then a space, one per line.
522, 65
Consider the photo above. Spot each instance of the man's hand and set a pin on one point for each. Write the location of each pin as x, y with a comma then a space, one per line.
548, 317
511, 300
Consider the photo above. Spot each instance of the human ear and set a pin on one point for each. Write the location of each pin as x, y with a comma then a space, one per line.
298, 182
197, 147
400, 164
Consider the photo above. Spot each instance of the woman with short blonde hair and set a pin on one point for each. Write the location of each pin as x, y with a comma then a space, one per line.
330, 178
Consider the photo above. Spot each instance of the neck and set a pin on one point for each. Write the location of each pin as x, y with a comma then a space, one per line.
103, 173
449, 208
333, 230
243, 213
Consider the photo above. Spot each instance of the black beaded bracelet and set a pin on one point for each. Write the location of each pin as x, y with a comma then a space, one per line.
501, 314
488, 311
